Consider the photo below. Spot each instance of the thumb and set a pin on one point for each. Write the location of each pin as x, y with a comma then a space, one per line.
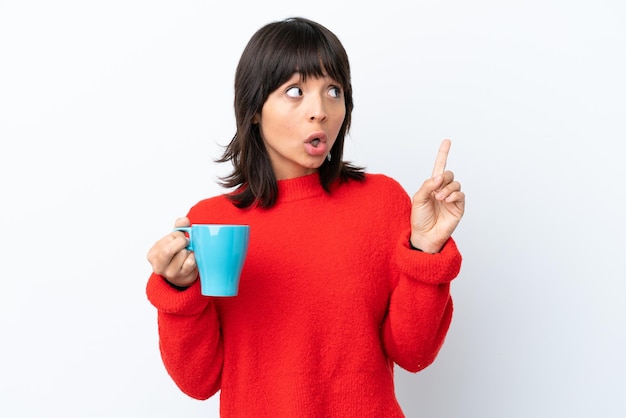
184, 221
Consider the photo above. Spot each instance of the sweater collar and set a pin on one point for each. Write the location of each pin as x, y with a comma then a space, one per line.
299, 188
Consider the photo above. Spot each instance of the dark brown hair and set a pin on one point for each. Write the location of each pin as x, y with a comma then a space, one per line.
273, 54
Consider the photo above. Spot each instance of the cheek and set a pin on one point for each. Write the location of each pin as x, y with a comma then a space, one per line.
338, 123
277, 119
274, 130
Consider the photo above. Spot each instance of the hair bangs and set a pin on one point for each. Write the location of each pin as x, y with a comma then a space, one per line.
307, 52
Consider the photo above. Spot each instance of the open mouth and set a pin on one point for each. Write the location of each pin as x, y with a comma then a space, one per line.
315, 144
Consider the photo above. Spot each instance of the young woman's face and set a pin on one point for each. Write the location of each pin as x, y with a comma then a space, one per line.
299, 124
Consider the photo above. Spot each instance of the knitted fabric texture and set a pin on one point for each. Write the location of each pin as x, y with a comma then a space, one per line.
331, 298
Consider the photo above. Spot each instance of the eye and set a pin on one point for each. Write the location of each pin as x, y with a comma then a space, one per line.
335, 92
294, 92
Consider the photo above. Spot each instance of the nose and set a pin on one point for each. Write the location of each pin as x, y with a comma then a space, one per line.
317, 111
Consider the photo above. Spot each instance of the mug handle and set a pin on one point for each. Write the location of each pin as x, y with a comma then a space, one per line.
186, 229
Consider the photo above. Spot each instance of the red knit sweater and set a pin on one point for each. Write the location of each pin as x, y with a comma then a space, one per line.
331, 297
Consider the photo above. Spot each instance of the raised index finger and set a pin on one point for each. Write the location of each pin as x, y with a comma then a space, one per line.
442, 158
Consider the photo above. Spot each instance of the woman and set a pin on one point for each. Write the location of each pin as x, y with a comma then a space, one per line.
346, 275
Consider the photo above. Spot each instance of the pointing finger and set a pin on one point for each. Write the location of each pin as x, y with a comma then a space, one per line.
442, 158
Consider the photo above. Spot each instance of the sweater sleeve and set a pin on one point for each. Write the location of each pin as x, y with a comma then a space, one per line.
189, 337
420, 309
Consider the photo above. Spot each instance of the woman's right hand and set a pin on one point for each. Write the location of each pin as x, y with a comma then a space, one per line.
170, 258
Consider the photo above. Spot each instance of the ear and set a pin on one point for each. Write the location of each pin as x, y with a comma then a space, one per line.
255, 119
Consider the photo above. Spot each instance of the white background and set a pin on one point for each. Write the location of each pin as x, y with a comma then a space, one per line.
112, 111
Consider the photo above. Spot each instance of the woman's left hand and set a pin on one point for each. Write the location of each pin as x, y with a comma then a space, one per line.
438, 206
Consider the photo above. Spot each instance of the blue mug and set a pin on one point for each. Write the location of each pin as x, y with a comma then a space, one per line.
220, 252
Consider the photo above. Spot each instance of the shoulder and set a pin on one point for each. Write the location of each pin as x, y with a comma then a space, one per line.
378, 200
384, 185
383, 181
376, 189
213, 210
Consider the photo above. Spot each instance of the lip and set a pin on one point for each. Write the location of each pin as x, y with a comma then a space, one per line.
316, 151
321, 135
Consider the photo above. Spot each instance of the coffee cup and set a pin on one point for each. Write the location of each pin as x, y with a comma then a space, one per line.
220, 252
